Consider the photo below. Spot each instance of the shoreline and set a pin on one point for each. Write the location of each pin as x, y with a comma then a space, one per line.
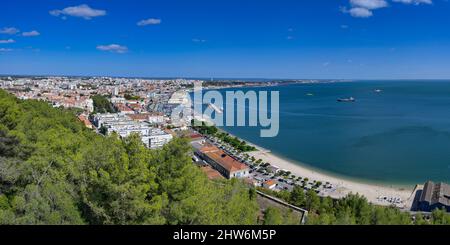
343, 186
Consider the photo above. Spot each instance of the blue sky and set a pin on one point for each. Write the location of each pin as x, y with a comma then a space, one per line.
370, 39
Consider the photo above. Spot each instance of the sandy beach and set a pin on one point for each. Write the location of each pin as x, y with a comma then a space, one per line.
343, 187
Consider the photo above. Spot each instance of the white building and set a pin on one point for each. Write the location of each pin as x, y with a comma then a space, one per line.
270, 184
158, 138
118, 100
124, 126
116, 91
156, 118
89, 105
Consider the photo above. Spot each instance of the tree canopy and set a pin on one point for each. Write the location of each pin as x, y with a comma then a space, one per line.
351, 210
102, 104
55, 171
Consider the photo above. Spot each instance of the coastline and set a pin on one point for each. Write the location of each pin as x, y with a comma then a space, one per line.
343, 186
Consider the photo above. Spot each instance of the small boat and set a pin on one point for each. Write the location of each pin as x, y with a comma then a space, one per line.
351, 99
310, 94
378, 90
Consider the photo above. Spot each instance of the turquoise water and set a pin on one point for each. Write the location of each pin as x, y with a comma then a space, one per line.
400, 136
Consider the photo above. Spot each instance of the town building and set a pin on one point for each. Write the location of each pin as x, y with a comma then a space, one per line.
198, 138
222, 162
273, 169
122, 108
211, 173
270, 184
153, 118
156, 118
85, 121
435, 196
138, 117
158, 138
118, 100
124, 126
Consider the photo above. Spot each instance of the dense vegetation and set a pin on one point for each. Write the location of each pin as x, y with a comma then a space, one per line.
278, 216
132, 97
225, 137
54, 171
102, 104
353, 210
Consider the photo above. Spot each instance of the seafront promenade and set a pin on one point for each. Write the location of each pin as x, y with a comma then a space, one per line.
335, 187
376, 194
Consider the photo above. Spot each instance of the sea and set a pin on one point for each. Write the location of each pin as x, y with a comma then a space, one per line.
395, 133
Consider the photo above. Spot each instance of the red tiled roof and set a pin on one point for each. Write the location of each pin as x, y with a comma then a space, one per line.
195, 136
270, 182
138, 117
209, 148
169, 131
211, 173
84, 120
223, 159
134, 106
156, 114
122, 107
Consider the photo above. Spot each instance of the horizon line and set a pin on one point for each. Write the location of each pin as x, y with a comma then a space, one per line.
221, 78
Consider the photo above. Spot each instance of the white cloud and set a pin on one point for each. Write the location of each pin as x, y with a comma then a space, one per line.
360, 12
415, 2
365, 8
7, 41
369, 4
113, 48
81, 11
9, 30
31, 34
2, 50
197, 40
150, 21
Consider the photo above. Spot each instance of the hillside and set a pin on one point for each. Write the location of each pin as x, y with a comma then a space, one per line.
54, 171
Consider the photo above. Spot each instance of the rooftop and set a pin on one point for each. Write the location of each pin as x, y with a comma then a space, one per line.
122, 107
195, 136
436, 193
270, 182
84, 120
138, 117
223, 159
211, 173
